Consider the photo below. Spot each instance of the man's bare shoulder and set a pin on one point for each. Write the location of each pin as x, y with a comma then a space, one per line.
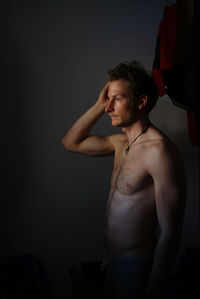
162, 153
161, 144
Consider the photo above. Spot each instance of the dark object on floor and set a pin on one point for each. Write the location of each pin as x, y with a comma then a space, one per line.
23, 277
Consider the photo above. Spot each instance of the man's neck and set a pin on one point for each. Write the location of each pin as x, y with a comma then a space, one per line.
136, 128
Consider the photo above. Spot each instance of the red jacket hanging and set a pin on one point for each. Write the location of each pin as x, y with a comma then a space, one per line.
177, 62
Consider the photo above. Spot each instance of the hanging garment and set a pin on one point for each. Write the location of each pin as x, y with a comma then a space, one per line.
177, 61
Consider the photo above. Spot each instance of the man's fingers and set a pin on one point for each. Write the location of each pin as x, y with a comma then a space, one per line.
105, 89
103, 97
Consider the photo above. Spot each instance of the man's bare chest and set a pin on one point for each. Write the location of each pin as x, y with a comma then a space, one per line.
129, 174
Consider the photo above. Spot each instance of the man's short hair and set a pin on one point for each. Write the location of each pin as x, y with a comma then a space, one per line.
141, 82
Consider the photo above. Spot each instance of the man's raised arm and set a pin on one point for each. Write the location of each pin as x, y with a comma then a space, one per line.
77, 139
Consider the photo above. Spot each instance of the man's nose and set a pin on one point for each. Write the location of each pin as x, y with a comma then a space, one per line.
109, 107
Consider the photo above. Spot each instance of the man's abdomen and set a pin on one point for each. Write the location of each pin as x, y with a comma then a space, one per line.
130, 225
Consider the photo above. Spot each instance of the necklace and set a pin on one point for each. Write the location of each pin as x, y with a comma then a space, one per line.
143, 131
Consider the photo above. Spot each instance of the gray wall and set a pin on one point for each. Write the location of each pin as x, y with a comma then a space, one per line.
56, 54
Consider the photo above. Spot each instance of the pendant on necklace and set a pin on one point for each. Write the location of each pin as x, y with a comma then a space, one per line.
143, 131
127, 150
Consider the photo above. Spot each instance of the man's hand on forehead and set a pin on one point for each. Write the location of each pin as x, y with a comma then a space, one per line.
103, 97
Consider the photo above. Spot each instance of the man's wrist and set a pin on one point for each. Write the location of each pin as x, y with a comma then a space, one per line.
100, 106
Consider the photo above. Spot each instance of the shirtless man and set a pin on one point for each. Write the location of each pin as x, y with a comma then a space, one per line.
148, 185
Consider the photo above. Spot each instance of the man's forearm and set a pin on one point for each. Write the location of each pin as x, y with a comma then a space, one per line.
81, 128
164, 261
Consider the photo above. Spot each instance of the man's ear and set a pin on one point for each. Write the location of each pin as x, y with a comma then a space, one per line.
142, 101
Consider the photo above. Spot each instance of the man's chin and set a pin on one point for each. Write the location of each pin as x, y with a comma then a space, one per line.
121, 125
115, 124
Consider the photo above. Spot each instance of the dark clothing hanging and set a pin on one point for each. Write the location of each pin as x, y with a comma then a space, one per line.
177, 60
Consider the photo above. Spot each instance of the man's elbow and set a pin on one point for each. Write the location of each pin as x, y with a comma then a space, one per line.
66, 144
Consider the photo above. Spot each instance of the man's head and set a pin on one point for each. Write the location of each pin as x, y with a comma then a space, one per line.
140, 82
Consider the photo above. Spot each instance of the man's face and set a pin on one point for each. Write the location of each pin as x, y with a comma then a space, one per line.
121, 104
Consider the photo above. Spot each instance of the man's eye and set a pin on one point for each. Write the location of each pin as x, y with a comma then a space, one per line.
118, 99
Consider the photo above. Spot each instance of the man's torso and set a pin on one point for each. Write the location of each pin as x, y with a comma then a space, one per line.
130, 218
